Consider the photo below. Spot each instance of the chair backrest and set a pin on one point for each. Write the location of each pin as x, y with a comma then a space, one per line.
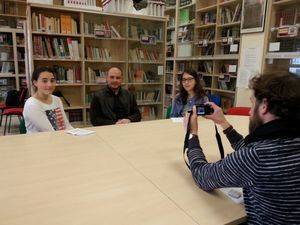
240, 111
168, 113
16, 98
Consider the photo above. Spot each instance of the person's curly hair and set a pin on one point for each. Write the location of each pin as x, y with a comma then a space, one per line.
282, 93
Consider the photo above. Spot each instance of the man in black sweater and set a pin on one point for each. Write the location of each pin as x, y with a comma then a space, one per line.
266, 164
114, 105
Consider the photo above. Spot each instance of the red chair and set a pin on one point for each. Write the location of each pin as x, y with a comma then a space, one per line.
14, 111
9, 113
239, 111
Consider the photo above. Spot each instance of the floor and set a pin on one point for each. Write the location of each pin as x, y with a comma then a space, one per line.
14, 127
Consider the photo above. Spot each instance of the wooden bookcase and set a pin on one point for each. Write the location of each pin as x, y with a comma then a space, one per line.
98, 50
282, 52
12, 46
214, 49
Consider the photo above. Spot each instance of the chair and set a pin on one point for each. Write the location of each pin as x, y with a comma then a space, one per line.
2, 107
240, 111
168, 112
14, 111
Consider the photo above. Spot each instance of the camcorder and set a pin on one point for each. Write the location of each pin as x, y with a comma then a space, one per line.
204, 109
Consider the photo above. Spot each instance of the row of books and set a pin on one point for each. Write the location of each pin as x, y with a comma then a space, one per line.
185, 34
67, 75
206, 49
9, 7
287, 16
208, 18
233, 32
185, 2
141, 76
96, 76
206, 67
206, 34
7, 67
59, 48
147, 96
227, 15
5, 39
139, 54
136, 31
101, 30
147, 112
65, 24
95, 53
74, 115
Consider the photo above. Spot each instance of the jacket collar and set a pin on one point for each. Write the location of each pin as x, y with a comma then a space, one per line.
111, 92
274, 129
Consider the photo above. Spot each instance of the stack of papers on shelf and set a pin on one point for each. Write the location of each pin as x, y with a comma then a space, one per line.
80, 132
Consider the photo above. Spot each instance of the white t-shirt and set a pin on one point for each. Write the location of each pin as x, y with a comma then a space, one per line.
40, 117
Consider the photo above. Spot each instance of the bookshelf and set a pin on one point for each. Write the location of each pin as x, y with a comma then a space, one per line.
283, 37
210, 46
81, 45
12, 46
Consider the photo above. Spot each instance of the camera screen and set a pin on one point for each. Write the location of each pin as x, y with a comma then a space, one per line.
200, 111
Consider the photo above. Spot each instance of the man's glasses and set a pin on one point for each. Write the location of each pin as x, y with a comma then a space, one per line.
187, 80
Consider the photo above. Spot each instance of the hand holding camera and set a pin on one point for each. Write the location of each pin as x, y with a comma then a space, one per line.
217, 116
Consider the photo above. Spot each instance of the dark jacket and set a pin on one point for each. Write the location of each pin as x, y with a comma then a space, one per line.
102, 110
266, 164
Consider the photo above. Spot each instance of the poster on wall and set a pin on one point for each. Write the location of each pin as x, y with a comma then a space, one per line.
253, 18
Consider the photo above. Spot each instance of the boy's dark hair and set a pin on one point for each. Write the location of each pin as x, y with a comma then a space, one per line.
281, 91
36, 74
199, 91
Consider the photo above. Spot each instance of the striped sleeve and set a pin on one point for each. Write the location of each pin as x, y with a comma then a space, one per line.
237, 169
236, 140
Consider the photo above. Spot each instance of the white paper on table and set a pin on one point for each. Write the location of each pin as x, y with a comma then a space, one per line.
239, 191
80, 132
177, 119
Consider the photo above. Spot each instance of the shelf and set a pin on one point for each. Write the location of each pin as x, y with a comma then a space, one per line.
6, 46
145, 62
7, 60
170, 28
138, 40
168, 83
283, 55
7, 75
11, 30
234, 39
73, 107
208, 8
227, 57
145, 83
187, 24
103, 61
55, 34
12, 15
95, 84
209, 57
148, 103
230, 24
16, 1
169, 72
206, 26
68, 84
21, 75
56, 60
186, 6
220, 90
170, 59
103, 38
226, 3
20, 46
169, 8
285, 2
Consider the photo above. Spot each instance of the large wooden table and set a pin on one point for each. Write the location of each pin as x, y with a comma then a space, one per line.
127, 174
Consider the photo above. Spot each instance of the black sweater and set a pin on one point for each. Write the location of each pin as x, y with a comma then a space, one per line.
107, 107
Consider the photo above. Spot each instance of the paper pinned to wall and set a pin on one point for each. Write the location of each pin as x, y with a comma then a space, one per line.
160, 70
249, 67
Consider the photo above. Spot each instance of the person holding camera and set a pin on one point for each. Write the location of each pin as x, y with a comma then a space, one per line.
191, 93
266, 163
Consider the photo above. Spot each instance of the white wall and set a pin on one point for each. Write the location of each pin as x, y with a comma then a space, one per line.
253, 40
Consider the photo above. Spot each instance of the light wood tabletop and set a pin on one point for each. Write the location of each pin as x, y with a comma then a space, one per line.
125, 174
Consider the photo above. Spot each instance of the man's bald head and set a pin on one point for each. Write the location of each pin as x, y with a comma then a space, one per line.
114, 78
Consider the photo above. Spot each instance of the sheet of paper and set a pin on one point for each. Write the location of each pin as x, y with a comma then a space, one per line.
80, 132
235, 194
234, 48
274, 46
177, 119
160, 70
232, 69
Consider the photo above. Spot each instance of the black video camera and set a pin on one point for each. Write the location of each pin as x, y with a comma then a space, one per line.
204, 109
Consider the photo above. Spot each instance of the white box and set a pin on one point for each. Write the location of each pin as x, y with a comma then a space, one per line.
184, 50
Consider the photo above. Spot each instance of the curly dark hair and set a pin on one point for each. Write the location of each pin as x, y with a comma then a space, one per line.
199, 91
282, 93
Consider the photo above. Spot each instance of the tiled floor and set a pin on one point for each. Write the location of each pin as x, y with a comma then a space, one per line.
14, 127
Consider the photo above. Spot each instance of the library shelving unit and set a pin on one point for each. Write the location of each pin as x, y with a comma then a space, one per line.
214, 48
283, 37
81, 45
12, 46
